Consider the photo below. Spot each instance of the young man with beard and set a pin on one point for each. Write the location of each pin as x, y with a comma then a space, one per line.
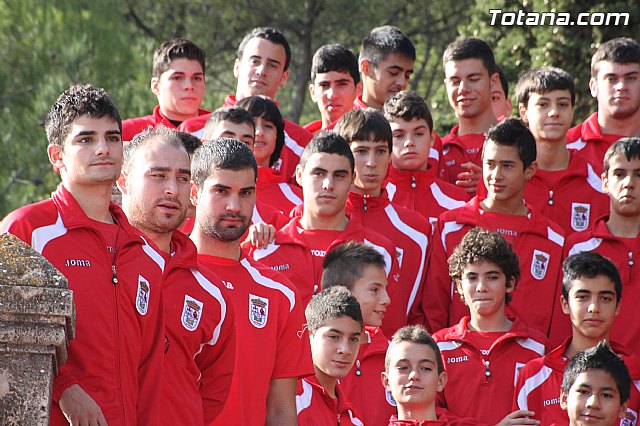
115, 360
272, 350
199, 324
615, 83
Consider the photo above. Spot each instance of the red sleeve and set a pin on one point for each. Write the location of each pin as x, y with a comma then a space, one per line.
152, 359
294, 349
63, 380
216, 363
417, 314
437, 294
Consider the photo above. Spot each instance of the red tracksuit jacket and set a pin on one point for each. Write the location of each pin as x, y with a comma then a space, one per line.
410, 233
295, 139
457, 150
133, 126
538, 386
271, 341
575, 201
424, 193
290, 255
587, 138
625, 329
273, 190
538, 245
316, 407
363, 385
117, 353
445, 417
482, 387
201, 338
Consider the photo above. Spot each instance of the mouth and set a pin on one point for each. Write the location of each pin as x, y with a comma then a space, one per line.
342, 364
380, 312
259, 144
465, 101
103, 163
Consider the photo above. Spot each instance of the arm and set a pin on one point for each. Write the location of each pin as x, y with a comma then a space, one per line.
436, 296
281, 402
520, 417
79, 408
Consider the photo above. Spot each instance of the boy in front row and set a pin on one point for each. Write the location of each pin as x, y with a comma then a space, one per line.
591, 295
335, 327
595, 388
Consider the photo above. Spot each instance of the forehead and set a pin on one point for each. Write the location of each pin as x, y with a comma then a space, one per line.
157, 154
481, 267
265, 49
608, 67
229, 126
411, 351
401, 123
596, 284
371, 274
595, 378
86, 123
619, 161
184, 65
465, 67
332, 76
552, 94
368, 144
327, 161
343, 324
495, 152
396, 60
231, 178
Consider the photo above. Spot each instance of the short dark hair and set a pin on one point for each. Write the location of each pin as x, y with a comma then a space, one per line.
384, 41
622, 50
334, 57
512, 132
503, 80
159, 134
628, 147
332, 303
173, 49
273, 35
364, 124
265, 108
600, 357
73, 103
232, 114
470, 48
414, 334
344, 264
221, 154
327, 142
407, 106
190, 142
482, 245
589, 264
543, 80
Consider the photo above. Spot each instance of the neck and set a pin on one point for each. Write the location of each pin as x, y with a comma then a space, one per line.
94, 200
177, 117
375, 192
213, 247
623, 226
418, 412
552, 155
326, 121
327, 382
337, 222
513, 206
495, 322
370, 101
629, 126
579, 343
163, 241
475, 125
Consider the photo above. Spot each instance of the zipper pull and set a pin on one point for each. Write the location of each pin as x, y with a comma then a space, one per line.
487, 372
413, 181
358, 372
631, 263
550, 197
365, 203
114, 278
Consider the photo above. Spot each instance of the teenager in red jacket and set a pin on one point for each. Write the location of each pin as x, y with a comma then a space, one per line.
370, 139
483, 352
616, 236
470, 75
115, 359
361, 269
335, 328
591, 295
325, 174
199, 324
262, 67
615, 83
412, 181
178, 82
508, 163
566, 188
271, 349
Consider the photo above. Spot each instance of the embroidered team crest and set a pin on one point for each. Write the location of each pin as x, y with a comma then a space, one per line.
580, 216
390, 399
539, 264
142, 298
399, 256
629, 419
258, 310
191, 313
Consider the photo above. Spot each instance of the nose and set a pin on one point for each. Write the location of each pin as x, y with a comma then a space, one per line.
385, 299
628, 181
171, 186
330, 92
102, 147
233, 203
327, 183
481, 285
594, 307
553, 112
370, 160
593, 400
404, 80
462, 86
260, 69
413, 375
344, 347
408, 141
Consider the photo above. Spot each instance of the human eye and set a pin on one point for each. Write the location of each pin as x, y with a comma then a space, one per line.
607, 395
199, 78
382, 151
176, 77
402, 367
246, 192
184, 179
354, 339
393, 73
581, 297
631, 78
426, 368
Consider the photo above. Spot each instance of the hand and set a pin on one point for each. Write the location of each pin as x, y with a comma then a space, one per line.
80, 409
469, 180
520, 417
260, 235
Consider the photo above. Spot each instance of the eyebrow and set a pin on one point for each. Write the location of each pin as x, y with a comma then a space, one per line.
93, 133
168, 169
399, 68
